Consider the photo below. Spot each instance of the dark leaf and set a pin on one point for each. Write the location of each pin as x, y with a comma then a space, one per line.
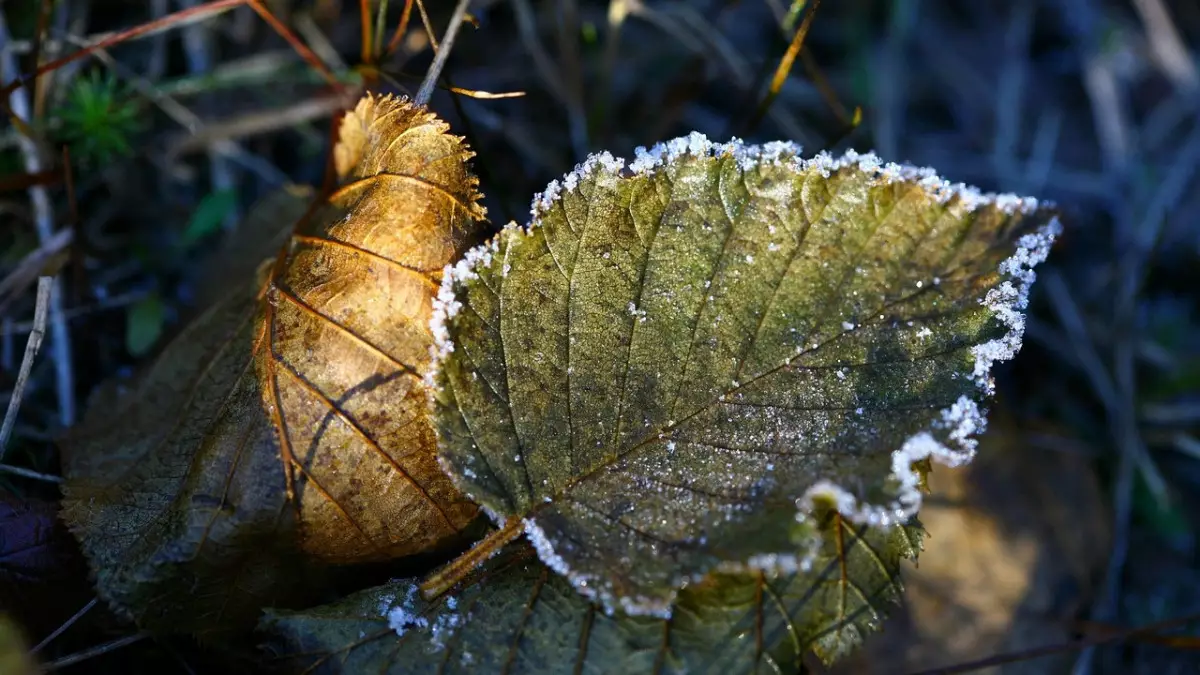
516, 616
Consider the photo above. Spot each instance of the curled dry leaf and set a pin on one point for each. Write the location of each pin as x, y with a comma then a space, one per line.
347, 339
517, 616
286, 425
661, 374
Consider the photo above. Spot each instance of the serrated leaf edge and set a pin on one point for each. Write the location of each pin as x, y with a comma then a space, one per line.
960, 423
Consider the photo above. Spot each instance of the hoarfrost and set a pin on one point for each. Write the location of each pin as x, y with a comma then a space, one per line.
949, 440
586, 584
401, 617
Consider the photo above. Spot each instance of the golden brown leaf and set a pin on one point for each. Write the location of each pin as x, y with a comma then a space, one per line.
289, 418
347, 322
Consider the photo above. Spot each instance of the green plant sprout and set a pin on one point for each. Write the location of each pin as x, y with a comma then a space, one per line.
97, 118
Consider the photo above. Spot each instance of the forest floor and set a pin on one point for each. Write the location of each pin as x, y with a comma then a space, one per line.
1082, 516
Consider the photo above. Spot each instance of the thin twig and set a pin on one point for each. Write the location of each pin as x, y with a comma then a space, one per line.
66, 624
30, 474
527, 30
36, 263
425, 22
92, 652
439, 61
401, 29
60, 344
15, 328
1166, 46
103, 41
785, 65
44, 288
258, 122
197, 49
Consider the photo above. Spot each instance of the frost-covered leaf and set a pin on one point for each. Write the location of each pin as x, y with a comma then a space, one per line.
287, 425
662, 373
517, 616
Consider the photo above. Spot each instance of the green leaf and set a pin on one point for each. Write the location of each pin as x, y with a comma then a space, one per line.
144, 323
208, 216
677, 358
516, 616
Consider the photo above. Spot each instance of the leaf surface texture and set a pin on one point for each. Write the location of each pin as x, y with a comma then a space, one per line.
517, 616
285, 428
677, 358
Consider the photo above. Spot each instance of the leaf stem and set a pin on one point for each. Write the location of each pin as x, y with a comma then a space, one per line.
456, 570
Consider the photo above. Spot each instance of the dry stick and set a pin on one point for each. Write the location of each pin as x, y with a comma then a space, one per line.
148, 28
377, 40
39, 197
527, 30
92, 652
32, 475
1166, 46
432, 34
302, 49
44, 288
66, 624
39, 33
364, 10
401, 29
256, 123
785, 65
439, 61
34, 264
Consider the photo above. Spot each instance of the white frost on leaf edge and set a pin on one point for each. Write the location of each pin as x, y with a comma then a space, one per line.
958, 424
586, 584
962, 422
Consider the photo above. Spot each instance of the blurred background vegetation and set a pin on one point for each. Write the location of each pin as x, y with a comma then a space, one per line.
1078, 522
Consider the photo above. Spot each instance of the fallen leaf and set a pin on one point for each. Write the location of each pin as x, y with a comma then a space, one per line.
286, 427
518, 617
174, 489
347, 338
662, 374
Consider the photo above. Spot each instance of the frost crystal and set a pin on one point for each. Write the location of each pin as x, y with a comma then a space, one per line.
401, 617
949, 439
586, 584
